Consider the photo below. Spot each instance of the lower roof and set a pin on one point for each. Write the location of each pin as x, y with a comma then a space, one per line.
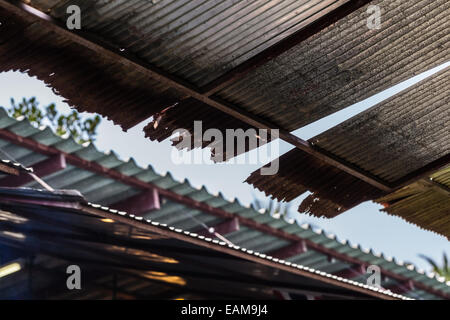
104, 178
63, 225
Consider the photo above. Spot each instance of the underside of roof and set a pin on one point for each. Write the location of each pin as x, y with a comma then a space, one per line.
346, 63
425, 203
198, 42
271, 64
334, 191
391, 140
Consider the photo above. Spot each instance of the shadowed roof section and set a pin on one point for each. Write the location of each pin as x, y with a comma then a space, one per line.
89, 81
105, 179
196, 40
425, 203
193, 42
391, 140
62, 225
346, 63
398, 136
184, 114
334, 191
286, 62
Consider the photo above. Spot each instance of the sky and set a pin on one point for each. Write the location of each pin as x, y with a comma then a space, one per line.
365, 224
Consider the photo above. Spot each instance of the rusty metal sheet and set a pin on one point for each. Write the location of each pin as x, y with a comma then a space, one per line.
346, 63
334, 191
399, 135
425, 203
184, 114
88, 81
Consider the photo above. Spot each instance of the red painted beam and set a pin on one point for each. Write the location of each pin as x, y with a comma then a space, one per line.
44, 168
223, 228
290, 250
402, 288
352, 272
9, 170
140, 203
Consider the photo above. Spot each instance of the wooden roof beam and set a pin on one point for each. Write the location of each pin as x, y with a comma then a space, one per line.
42, 169
139, 204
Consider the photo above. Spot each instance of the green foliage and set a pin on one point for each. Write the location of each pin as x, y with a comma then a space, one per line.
82, 130
443, 271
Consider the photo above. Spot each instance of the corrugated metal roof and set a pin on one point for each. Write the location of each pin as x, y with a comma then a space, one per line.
87, 80
389, 141
346, 63
334, 191
425, 203
184, 114
198, 41
195, 40
442, 177
154, 40
99, 189
61, 224
399, 135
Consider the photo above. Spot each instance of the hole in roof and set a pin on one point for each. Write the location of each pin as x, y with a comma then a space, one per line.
337, 118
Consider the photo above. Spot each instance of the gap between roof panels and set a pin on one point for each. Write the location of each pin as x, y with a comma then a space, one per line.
335, 119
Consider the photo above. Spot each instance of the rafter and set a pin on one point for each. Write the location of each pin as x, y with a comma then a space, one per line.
44, 168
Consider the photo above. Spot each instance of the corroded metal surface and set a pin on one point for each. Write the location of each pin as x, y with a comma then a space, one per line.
425, 203
334, 191
399, 135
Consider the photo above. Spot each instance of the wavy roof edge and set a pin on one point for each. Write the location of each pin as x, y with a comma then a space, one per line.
14, 125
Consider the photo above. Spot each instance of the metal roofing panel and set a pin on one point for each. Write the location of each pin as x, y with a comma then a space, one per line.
399, 135
425, 203
333, 191
185, 114
346, 63
442, 177
196, 40
106, 85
